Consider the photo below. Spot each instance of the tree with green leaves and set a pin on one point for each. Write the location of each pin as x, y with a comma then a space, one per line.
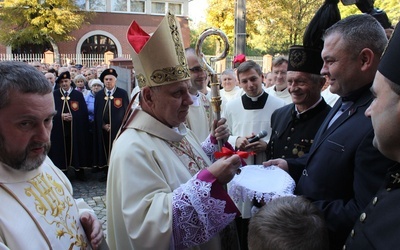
391, 7
208, 47
39, 21
273, 25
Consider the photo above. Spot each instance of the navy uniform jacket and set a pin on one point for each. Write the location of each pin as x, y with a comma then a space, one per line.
343, 170
103, 140
77, 132
292, 135
378, 226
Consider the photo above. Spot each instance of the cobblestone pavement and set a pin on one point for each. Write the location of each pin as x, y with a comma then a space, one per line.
93, 192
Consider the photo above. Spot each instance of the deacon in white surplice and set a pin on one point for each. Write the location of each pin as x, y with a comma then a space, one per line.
251, 113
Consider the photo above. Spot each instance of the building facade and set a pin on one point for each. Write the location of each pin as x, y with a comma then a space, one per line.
107, 29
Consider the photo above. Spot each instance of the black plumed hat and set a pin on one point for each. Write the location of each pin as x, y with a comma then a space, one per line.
307, 57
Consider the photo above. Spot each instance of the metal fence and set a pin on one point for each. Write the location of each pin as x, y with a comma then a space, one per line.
21, 57
93, 60
88, 60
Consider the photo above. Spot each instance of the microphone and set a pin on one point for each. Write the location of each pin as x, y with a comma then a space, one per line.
260, 135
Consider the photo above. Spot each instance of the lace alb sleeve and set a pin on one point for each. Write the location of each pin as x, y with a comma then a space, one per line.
201, 208
210, 146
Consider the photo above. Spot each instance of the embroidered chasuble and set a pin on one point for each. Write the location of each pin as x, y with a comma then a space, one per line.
188, 155
38, 210
165, 211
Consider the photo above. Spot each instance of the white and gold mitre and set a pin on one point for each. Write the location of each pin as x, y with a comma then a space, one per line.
158, 59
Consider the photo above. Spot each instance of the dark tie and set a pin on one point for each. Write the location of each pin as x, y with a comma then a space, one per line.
66, 93
109, 93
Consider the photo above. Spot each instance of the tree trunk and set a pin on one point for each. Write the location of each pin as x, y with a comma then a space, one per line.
56, 51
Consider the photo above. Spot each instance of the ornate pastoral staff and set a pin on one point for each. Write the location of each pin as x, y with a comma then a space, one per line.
215, 97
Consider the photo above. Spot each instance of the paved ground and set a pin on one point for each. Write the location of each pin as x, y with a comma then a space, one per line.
93, 192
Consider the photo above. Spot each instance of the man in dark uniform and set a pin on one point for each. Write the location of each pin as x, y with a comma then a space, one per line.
295, 125
70, 128
378, 226
343, 171
110, 105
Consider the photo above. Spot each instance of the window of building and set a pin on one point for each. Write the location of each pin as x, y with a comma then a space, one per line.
137, 6
157, 8
81, 4
128, 6
164, 7
175, 8
99, 5
98, 44
119, 5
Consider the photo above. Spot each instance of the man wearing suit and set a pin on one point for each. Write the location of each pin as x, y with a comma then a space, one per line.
343, 170
378, 226
110, 105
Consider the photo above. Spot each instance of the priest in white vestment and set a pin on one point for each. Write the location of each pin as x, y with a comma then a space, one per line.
200, 117
279, 73
230, 89
37, 208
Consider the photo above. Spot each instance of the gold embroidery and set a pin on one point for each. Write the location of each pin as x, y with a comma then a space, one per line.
178, 45
184, 149
54, 206
168, 74
178, 72
207, 107
141, 80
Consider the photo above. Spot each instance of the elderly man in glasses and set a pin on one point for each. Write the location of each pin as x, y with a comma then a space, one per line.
199, 119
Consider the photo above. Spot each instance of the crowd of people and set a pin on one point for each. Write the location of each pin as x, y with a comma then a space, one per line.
90, 108
168, 163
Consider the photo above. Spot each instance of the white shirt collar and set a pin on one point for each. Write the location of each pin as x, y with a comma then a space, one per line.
313, 106
255, 98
